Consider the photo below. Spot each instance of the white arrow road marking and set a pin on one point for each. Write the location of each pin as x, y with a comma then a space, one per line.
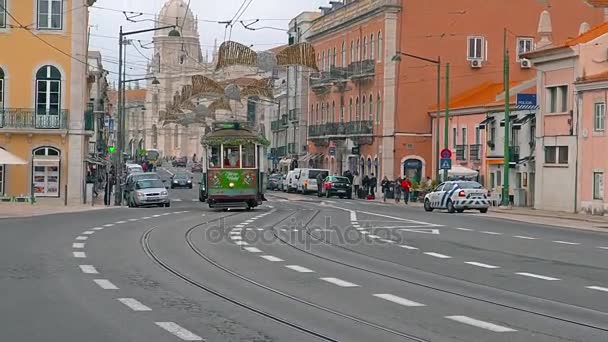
105, 284
398, 300
537, 276
299, 269
134, 304
480, 324
339, 282
178, 331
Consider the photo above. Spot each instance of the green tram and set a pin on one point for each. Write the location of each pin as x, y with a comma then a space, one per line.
233, 170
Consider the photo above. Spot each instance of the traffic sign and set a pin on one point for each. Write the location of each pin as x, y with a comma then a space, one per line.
111, 149
445, 164
446, 153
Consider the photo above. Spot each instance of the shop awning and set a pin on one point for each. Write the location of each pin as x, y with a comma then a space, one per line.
482, 125
7, 158
512, 120
311, 156
521, 121
461, 171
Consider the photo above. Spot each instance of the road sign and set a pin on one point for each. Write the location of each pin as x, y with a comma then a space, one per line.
355, 150
526, 101
445, 164
446, 153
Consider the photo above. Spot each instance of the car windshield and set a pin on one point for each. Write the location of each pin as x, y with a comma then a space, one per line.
312, 174
339, 179
181, 176
470, 185
146, 176
149, 184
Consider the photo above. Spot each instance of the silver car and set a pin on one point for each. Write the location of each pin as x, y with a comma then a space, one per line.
149, 192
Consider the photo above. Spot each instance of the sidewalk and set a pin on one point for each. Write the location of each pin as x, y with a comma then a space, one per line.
46, 207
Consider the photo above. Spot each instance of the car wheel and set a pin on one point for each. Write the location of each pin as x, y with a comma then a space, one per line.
349, 196
483, 211
427, 205
168, 205
327, 194
450, 206
460, 211
341, 196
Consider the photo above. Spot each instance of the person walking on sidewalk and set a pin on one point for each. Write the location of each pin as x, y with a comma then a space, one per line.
373, 184
319, 184
356, 183
398, 190
384, 185
406, 184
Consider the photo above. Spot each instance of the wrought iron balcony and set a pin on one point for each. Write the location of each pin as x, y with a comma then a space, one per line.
338, 73
461, 152
338, 129
362, 69
28, 118
324, 80
513, 154
475, 152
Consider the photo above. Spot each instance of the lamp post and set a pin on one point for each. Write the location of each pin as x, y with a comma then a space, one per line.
437, 62
119, 161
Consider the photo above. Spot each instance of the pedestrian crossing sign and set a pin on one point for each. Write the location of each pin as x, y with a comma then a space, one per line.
445, 164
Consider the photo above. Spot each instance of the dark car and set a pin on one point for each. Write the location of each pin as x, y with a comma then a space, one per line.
197, 167
181, 180
337, 186
180, 162
274, 182
202, 191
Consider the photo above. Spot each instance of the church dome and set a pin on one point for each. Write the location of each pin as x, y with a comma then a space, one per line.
174, 12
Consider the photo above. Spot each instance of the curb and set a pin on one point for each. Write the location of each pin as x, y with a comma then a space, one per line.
580, 218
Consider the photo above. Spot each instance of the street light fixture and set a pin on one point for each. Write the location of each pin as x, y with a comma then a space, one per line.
437, 62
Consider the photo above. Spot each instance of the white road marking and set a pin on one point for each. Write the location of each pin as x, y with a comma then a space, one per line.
236, 237
270, 207
566, 242
524, 237
88, 232
105, 284
79, 255
465, 229
398, 300
603, 247
152, 216
177, 200
236, 232
537, 276
98, 228
121, 222
407, 247
78, 245
299, 269
353, 215
437, 255
361, 228
249, 221
109, 225
133, 220
598, 288
491, 233
480, 324
364, 232
397, 218
478, 264
88, 269
241, 243
373, 236
260, 229
283, 229
134, 304
195, 200
146, 218
339, 282
271, 258
82, 238
179, 331
387, 241
165, 214
421, 230
253, 249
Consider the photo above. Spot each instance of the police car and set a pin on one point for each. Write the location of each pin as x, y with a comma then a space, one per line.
458, 196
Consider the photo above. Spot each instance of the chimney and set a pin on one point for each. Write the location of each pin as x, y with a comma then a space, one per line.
545, 30
583, 28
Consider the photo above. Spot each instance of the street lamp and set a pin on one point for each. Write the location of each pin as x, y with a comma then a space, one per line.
118, 169
437, 62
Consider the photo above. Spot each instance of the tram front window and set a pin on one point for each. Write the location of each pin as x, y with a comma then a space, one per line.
214, 157
249, 156
232, 157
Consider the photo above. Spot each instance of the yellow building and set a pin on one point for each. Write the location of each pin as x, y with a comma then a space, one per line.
43, 96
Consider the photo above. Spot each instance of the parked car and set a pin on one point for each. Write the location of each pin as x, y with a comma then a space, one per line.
274, 181
180, 162
181, 180
149, 192
291, 182
458, 196
129, 185
133, 168
307, 179
337, 186
282, 183
197, 167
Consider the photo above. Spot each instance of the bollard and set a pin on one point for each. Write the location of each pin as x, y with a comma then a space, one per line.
65, 194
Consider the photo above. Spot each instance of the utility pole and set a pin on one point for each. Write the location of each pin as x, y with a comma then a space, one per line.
505, 182
118, 126
446, 126
437, 156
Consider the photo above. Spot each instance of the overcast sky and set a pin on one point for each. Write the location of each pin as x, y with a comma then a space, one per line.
106, 18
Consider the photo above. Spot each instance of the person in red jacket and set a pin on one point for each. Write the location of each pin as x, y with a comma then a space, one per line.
406, 186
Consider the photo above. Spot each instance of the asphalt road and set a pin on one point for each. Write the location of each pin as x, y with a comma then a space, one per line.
302, 269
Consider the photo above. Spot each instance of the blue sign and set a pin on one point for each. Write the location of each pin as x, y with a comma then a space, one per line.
445, 164
412, 164
526, 101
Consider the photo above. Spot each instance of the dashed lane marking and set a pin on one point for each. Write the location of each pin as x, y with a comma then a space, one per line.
603, 247
387, 241
134, 304
146, 218
465, 229
437, 255
373, 236
133, 220
79, 255
121, 222
195, 200
109, 225
299, 269
236, 237
398, 300
78, 245
260, 229
271, 258
566, 242
89, 269
82, 238
537, 276
408, 247
478, 264
598, 288
105, 284
252, 249
178, 331
524, 237
339, 282
88, 232
480, 324
491, 233
241, 243
152, 216
177, 200
98, 228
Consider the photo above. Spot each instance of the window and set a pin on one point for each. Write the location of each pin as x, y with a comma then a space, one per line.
454, 137
248, 156
380, 51
2, 14
599, 117
464, 135
333, 112
598, 185
232, 157
352, 51
364, 48
343, 54
364, 108
492, 136
48, 97
342, 110
372, 48
328, 63
514, 137
46, 177
214, 157
498, 178
357, 109
50, 13
557, 99
358, 51
323, 61
317, 115
524, 44
322, 112
477, 136
556, 155
378, 108
311, 114
371, 107
492, 180
333, 58
1, 88
350, 110
475, 48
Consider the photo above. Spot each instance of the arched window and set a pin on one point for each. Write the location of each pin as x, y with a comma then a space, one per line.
333, 58
154, 136
372, 48
352, 51
1, 89
327, 112
350, 110
323, 61
364, 107
371, 108
176, 137
317, 115
342, 110
357, 110
358, 50
46, 171
380, 51
48, 97
364, 48
376, 166
333, 111
378, 108
343, 54
322, 112
328, 63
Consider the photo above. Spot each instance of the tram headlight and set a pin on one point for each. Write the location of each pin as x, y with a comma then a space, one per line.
231, 185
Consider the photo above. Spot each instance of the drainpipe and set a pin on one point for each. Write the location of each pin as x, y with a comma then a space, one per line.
577, 97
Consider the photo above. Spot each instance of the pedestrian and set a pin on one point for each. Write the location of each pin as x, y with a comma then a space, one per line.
385, 186
365, 185
356, 183
319, 184
406, 184
373, 184
398, 190
144, 166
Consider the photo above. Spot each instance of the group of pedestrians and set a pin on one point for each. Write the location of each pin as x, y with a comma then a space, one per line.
364, 187
401, 186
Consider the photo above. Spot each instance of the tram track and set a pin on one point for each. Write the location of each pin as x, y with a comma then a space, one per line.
188, 236
430, 287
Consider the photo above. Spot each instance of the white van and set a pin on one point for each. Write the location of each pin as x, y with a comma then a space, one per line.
307, 181
291, 182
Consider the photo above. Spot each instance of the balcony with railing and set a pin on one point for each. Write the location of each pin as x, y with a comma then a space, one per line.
475, 152
513, 154
321, 80
461, 152
362, 69
339, 129
89, 120
24, 119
